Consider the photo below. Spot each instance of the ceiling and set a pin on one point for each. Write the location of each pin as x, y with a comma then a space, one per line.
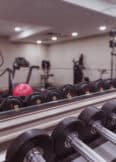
40, 19
104, 6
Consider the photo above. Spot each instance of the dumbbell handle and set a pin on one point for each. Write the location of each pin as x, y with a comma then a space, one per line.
34, 156
83, 149
107, 134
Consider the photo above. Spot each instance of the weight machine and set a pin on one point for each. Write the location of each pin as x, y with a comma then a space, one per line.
78, 68
46, 67
113, 52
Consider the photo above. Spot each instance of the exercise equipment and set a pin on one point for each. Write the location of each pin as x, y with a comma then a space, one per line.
1, 59
68, 91
19, 62
109, 109
9, 91
22, 90
54, 94
46, 67
107, 84
11, 103
102, 72
94, 120
32, 146
113, 53
96, 86
101, 85
36, 98
69, 134
82, 88
31, 68
78, 67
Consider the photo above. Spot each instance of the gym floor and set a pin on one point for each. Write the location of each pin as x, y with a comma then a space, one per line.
57, 57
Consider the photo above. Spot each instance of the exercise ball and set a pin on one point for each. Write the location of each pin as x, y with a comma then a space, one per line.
22, 90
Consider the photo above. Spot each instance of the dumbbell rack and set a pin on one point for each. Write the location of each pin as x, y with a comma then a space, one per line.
107, 150
46, 116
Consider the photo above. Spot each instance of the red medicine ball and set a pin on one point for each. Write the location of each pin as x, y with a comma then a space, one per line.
22, 90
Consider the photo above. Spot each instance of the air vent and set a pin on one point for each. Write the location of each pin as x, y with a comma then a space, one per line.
50, 33
57, 34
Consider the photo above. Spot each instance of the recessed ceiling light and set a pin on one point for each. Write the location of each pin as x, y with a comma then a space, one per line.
54, 38
102, 28
39, 42
17, 29
74, 34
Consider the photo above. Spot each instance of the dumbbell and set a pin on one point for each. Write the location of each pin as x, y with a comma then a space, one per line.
94, 120
11, 103
96, 86
107, 84
35, 98
82, 88
69, 134
68, 91
109, 109
32, 146
54, 95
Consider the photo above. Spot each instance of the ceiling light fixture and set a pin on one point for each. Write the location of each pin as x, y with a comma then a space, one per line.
102, 28
54, 38
17, 29
39, 42
74, 34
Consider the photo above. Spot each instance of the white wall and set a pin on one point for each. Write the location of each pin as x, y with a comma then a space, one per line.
34, 53
95, 49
